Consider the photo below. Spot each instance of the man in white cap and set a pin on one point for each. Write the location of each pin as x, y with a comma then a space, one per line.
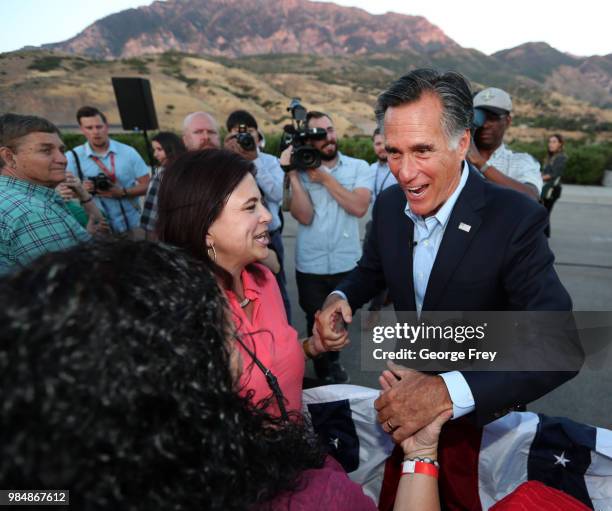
489, 154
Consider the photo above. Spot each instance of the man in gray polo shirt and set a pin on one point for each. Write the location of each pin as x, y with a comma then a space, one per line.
490, 155
327, 202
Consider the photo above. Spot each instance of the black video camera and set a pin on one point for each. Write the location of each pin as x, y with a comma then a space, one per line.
304, 156
101, 182
245, 139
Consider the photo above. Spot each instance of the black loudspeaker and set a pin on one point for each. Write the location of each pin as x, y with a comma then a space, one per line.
135, 103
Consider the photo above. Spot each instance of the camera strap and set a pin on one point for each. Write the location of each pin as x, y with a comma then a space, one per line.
111, 174
78, 164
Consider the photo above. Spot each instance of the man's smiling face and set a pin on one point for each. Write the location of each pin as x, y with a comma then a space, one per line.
419, 153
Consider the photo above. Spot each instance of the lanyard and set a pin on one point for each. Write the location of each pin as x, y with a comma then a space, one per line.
376, 192
109, 173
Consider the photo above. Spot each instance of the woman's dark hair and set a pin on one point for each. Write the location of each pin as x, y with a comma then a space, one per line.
171, 143
116, 386
192, 195
559, 137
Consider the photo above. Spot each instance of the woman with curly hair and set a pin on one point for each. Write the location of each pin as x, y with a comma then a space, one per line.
118, 383
210, 205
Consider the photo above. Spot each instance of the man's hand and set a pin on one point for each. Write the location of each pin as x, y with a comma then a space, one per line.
231, 144
474, 156
285, 157
74, 184
97, 226
330, 322
410, 401
115, 192
320, 175
88, 185
65, 191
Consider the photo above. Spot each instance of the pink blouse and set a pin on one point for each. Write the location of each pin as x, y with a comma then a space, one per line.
272, 339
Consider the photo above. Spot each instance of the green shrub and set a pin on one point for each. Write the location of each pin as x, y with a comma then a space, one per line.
136, 140
48, 63
585, 165
357, 147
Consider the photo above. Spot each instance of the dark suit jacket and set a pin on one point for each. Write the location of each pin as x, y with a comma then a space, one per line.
502, 263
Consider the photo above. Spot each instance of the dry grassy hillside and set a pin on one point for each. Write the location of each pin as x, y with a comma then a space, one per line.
55, 86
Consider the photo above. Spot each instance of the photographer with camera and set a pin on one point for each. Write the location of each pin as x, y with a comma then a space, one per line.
111, 171
489, 154
329, 193
243, 138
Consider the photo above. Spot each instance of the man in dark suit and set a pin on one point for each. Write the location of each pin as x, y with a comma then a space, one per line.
445, 239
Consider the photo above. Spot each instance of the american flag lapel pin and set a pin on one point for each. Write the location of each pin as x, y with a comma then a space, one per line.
465, 227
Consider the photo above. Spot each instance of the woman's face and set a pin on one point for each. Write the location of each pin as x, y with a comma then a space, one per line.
554, 146
159, 153
240, 233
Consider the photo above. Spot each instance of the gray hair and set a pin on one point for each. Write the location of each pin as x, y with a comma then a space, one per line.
14, 127
190, 117
452, 89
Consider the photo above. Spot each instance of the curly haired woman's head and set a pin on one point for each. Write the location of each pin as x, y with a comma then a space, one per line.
116, 384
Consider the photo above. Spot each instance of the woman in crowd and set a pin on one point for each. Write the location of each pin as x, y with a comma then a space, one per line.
166, 146
554, 166
210, 205
119, 384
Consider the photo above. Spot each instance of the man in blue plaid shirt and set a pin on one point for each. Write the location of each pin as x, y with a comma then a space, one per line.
33, 217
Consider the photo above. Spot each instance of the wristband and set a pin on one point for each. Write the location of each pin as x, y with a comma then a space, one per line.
485, 167
425, 466
87, 200
286, 168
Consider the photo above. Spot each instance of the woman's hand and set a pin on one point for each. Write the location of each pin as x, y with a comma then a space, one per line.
317, 346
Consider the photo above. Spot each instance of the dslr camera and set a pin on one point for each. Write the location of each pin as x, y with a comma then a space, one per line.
297, 134
245, 139
101, 182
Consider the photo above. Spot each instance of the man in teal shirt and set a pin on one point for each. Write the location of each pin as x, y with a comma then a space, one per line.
33, 217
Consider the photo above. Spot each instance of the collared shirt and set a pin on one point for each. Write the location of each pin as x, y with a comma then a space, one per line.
33, 221
148, 219
123, 214
270, 179
272, 339
383, 178
330, 244
428, 234
521, 167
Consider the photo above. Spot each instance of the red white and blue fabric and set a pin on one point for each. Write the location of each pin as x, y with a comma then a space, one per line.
480, 467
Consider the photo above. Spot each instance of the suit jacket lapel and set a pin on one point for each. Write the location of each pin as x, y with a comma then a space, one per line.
403, 269
455, 240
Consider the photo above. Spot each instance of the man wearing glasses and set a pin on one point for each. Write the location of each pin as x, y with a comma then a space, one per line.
490, 155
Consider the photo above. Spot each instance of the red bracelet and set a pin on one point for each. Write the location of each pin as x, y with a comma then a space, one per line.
419, 467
